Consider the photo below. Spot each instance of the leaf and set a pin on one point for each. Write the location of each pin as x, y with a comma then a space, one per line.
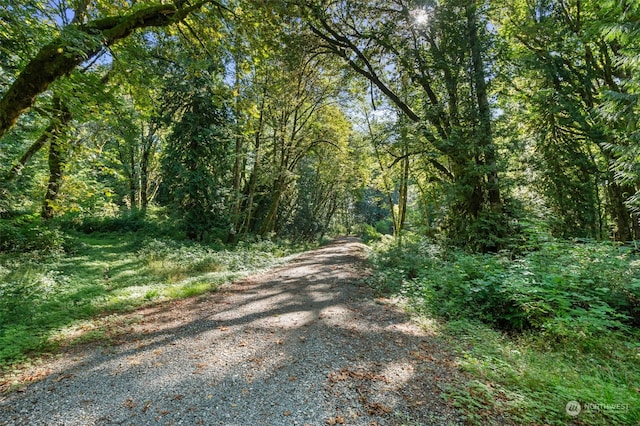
128, 403
63, 377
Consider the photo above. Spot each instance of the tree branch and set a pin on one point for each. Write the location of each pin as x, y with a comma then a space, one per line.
61, 56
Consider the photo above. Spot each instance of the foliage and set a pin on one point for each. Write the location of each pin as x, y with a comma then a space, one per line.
196, 164
621, 106
45, 301
27, 233
565, 291
526, 381
154, 221
438, 89
561, 68
369, 234
533, 332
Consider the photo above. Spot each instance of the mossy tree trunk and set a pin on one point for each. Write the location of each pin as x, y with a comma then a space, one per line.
63, 54
58, 156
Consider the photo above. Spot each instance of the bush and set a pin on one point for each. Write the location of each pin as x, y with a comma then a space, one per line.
27, 234
153, 222
368, 233
384, 226
128, 222
565, 290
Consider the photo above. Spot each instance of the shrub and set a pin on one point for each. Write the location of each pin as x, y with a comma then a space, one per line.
384, 226
565, 290
28, 233
368, 233
87, 224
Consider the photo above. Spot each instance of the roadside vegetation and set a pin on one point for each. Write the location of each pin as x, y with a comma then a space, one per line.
534, 330
57, 285
156, 150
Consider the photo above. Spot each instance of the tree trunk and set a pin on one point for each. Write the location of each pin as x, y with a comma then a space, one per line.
404, 190
145, 159
253, 180
58, 152
619, 212
270, 220
55, 125
484, 134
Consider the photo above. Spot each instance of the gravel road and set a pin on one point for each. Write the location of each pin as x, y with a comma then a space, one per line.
304, 344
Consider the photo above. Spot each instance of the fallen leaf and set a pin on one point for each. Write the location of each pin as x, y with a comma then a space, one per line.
344, 374
286, 413
64, 376
376, 409
129, 403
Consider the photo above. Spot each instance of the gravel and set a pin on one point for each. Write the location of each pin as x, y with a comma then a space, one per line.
304, 344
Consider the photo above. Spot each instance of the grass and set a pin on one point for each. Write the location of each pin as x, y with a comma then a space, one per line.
518, 378
523, 366
53, 299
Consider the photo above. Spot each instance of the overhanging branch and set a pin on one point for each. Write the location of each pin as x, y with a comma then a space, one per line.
60, 57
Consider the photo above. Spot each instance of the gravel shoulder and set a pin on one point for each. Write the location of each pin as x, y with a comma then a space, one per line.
303, 344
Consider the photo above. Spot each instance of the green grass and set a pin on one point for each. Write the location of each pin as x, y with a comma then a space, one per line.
532, 332
519, 378
48, 300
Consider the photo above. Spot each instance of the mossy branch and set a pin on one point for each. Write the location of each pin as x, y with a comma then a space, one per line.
61, 56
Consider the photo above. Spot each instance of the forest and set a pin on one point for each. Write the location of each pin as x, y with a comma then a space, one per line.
488, 152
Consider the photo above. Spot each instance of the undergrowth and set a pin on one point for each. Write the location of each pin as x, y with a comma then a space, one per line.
534, 332
43, 295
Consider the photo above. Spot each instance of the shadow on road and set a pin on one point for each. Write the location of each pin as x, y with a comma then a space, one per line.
302, 344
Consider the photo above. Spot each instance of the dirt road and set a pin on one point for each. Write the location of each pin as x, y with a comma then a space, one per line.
304, 344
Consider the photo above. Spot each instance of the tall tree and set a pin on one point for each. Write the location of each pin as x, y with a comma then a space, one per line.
565, 63
442, 50
197, 162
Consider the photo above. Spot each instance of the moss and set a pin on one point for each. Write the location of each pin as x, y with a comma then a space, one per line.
51, 63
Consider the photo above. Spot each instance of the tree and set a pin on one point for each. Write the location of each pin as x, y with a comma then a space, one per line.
621, 101
79, 42
325, 177
196, 166
565, 64
444, 57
